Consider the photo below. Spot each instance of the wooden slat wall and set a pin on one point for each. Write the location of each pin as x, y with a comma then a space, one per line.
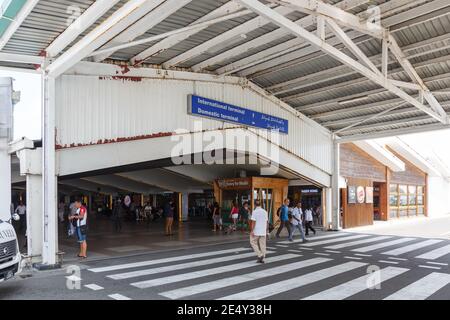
356, 215
356, 163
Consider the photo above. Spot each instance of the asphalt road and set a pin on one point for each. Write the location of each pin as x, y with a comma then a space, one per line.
336, 265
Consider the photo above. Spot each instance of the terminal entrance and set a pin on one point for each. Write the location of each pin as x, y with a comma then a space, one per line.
144, 193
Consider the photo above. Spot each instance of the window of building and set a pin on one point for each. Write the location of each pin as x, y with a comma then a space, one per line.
406, 200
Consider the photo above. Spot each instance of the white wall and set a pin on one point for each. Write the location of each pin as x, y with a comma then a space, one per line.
93, 109
5, 181
438, 197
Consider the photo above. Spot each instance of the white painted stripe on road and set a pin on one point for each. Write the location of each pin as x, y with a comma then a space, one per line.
94, 287
358, 285
222, 283
198, 263
423, 288
332, 251
165, 260
318, 243
383, 245
362, 255
411, 247
399, 259
353, 258
435, 254
388, 262
322, 254
438, 263
208, 272
355, 243
317, 238
429, 267
117, 296
294, 283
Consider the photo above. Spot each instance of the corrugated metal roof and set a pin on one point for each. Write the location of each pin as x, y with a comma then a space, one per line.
314, 83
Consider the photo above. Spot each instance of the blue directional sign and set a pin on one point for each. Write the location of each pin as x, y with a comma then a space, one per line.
221, 111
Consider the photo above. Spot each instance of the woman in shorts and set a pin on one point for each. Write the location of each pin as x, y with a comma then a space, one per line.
234, 214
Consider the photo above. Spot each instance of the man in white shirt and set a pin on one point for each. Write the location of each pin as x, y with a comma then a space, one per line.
297, 222
22, 211
309, 221
258, 233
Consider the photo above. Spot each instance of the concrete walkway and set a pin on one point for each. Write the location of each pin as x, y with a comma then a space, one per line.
437, 227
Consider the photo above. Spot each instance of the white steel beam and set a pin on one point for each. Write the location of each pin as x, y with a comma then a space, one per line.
128, 14
398, 71
340, 34
228, 8
286, 47
193, 28
317, 7
87, 19
17, 22
392, 133
258, 62
165, 9
385, 57
20, 58
297, 30
371, 118
223, 39
409, 69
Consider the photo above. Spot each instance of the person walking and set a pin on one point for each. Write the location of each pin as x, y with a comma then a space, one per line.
234, 215
244, 214
169, 212
80, 219
21, 210
258, 231
117, 215
309, 221
296, 222
217, 217
284, 217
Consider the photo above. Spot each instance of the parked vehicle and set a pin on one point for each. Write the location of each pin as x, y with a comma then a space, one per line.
10, 257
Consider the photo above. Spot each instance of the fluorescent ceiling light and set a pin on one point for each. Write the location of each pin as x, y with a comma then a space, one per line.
353, 100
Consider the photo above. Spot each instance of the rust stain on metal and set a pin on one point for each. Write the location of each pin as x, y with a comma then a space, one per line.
118, 140
132, 79
125, 69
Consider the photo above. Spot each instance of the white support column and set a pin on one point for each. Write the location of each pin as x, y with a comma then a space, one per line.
49, 179
5, 181
336, 205
328, 208
185, 207
385, 58
34, 217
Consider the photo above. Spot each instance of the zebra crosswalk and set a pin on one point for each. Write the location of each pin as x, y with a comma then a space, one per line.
385, 267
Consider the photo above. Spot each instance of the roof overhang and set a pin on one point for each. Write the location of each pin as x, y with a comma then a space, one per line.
382, 155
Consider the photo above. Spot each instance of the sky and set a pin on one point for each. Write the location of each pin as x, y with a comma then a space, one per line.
27, 120
27, 113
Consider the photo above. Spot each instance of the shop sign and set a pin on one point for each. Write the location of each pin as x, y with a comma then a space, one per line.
351, 194
369, 195
361, 194
204, 107
234, 183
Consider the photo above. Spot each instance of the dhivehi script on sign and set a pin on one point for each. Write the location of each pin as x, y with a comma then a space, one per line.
204, 107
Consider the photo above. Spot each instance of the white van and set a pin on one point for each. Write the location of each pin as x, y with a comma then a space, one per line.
10, 257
